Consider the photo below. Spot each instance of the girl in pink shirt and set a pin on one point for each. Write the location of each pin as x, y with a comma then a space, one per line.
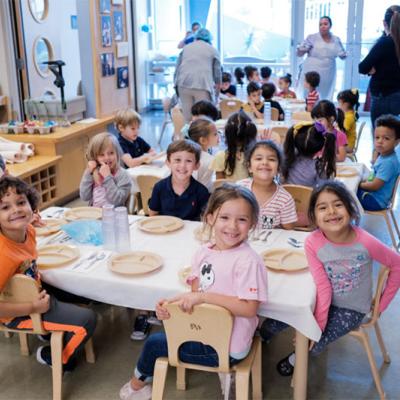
340, 257
227, 273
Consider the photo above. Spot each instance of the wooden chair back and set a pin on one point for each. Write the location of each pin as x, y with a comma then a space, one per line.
394, 193
219, 182
22, 289
302, 116
301, 196
281, 131
274, 114
200, 326
229, 106
178, 121
380, 285
359, 133
146, 184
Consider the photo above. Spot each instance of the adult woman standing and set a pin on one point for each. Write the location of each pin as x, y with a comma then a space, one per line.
383, 64
198, 72
322, 48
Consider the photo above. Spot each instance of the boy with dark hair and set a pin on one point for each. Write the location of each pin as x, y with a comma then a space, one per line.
265, 74
268, 90
204, 108
311, 82
227, 88
254, 105
252, 73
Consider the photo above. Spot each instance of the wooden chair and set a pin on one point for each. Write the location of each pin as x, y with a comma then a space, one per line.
281, 131
166, 103
146, 184
201, 326
178, 121
362, 332
387, 213
274, 114
22, 289
229, 106
353, 155
301, 196
219, 182
302, 116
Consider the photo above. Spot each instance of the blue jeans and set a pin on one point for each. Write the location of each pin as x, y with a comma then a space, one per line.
189, 352
340, 322
380, 105
368, 201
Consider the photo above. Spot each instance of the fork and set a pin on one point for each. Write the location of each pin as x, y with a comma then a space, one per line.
91, 257
99, 257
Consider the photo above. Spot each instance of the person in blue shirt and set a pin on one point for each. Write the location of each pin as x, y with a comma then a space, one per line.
135, 150
375, 193
180, 195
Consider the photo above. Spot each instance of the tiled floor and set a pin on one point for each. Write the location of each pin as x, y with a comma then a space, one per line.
342, 372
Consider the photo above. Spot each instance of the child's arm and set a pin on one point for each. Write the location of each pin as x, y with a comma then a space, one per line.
153, 213
220, 175
372, 186
13, 310
134, 162
117, 187
341, 154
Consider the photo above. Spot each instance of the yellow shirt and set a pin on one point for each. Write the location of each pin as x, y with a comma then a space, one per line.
240, 172
350, 128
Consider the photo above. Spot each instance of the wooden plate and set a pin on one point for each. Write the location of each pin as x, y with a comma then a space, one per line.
160, 224
346, 172
183, 274
56, 255
83, 213
53, 225
285, 260
134, 262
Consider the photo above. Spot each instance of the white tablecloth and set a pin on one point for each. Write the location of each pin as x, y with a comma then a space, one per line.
291, 296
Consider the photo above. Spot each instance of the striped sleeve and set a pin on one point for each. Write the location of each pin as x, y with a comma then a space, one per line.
287, 207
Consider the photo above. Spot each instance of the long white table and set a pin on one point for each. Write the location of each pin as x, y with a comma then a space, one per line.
291, 296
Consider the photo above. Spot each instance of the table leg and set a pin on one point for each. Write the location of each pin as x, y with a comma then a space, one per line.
301, 367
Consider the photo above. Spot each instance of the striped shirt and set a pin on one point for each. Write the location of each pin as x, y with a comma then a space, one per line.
279, 209
312, 98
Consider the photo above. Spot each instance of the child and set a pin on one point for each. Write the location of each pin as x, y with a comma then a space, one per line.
268, 90
18, 256
325, 112
375, 193
348, 103
227, 88
311, 82
240, 132
252, 74
180, 195
239, 285
239, 75
340, 257
104, 181
135, 150
302, 143
254, 105
277, 207
265, 74
204, 132
284, 84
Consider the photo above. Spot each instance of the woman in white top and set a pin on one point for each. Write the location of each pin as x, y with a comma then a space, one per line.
322, 48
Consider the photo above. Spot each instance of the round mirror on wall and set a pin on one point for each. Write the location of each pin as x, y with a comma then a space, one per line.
39, 9
42, 51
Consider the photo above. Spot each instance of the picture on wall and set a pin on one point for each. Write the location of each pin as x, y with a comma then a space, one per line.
107, 64
106, 38
105, 6
122, 77
118, 26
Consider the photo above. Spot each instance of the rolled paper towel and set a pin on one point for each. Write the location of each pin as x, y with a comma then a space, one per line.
12, 146
13, 157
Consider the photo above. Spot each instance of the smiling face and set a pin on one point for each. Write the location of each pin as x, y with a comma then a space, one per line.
129, 132
385, 140
213, 137
182, 164
324, 26
15, 213
264, 164
283, 85
108, 156
331, 215
231, 223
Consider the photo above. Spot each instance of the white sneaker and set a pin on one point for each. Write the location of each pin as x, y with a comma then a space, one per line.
127, 393
226, 379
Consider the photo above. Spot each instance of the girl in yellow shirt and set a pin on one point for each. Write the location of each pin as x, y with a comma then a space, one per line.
348, 103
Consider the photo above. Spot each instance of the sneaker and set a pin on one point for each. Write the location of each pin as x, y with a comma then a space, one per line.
141, 328
284, 367
43, 355
232, 385
128, 393
153, 320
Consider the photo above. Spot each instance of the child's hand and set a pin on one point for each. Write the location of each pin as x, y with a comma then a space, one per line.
266, 133
145, 158
42, 304
187, 301
91, 166
161, 312
37, 220
104, 170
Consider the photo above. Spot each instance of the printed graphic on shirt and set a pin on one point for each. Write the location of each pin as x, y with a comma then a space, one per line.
345, 274
29, 268
207, 276
267, 222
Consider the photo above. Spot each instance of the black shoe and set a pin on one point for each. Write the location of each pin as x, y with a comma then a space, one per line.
141, 328
284, 367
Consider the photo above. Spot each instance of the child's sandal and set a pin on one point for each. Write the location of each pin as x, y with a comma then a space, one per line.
284, 367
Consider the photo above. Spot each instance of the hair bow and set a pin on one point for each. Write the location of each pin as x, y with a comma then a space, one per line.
301, 125
354, 91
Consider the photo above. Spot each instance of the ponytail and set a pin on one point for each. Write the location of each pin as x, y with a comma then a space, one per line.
395, 32
327, 164
289, 152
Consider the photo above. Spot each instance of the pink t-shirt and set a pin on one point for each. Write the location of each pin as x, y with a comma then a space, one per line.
238, 272
279, 209
341, 139
342, 272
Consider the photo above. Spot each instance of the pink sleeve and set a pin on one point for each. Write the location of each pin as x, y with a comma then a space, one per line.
341, 139
388, 257
251, 279
321, 280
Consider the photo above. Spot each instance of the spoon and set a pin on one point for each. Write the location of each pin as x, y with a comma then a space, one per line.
295, 243
99, 257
